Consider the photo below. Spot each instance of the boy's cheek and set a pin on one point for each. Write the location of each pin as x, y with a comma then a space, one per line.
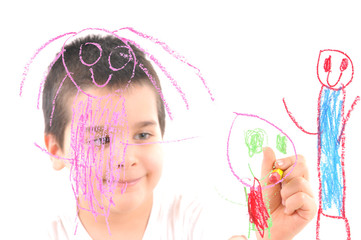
156, 156
153, 160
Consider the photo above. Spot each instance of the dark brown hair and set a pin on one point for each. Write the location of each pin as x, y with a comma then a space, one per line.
106, 55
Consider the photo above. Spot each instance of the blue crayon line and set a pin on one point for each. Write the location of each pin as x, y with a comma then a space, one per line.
330, 162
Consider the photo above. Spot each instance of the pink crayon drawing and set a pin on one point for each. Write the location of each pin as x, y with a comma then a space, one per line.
87, 140
335, 72
128, 55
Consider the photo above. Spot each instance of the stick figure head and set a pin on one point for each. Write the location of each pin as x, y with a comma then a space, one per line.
334, 69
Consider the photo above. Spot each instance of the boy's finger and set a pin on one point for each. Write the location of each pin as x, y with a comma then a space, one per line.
285, 163
272, 193
302, 203
293, 167
269, 159
298, 184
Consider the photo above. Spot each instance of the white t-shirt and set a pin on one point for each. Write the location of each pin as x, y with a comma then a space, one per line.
173, 216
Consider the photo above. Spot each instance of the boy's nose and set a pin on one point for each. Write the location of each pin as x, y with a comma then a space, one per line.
127, 158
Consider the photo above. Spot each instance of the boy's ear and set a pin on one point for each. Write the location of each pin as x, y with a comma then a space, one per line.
54, 149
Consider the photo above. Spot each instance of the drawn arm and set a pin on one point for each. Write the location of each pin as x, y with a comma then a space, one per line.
345, 120
294, 120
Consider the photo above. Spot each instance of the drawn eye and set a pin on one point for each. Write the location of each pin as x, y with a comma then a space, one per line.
90, 57
142, 136
344, 64
119, 58
327, 64
101, 141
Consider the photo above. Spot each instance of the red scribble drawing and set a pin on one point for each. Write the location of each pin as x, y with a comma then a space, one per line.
257, 210
335, 72
99, 128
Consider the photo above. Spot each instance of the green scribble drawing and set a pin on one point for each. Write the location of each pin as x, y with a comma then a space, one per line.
228, 200
254, 140
281, 143
252, 227
261, 179
269, 221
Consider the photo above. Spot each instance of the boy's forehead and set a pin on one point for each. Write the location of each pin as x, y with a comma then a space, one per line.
137, 102
104, 93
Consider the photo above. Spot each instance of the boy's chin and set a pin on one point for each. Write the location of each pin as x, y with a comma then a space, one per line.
129, 202
118, 204
120, 198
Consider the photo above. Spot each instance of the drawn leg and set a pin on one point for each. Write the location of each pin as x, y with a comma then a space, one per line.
347, 225
348, 230
318, 221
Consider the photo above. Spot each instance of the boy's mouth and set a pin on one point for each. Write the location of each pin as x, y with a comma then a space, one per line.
126, 182
129, 182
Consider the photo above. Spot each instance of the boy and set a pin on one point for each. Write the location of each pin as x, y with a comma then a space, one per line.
105, 119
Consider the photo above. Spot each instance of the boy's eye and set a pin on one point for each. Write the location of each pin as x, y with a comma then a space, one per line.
101, 141
142, 136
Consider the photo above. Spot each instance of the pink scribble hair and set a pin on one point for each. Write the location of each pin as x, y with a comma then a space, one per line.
93, 61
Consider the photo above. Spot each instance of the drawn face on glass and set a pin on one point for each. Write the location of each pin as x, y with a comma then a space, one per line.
334, 69
88, 60
247, 136
123, 51
114, 144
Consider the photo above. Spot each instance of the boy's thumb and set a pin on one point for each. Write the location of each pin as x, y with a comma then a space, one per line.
269, 159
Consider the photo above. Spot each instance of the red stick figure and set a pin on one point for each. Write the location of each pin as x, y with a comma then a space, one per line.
335, 72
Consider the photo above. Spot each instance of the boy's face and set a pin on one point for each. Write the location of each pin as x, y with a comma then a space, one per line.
114, 146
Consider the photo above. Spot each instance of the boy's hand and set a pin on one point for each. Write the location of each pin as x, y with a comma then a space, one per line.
291, 202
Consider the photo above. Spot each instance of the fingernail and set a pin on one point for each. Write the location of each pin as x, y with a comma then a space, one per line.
279, 163
274, 177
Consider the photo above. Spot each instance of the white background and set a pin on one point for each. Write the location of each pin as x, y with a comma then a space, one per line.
251, 53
